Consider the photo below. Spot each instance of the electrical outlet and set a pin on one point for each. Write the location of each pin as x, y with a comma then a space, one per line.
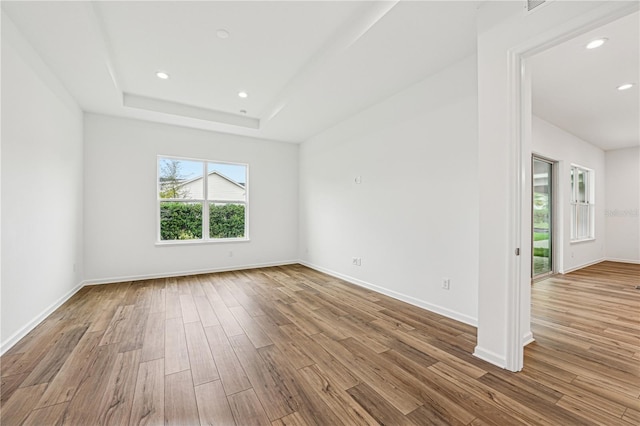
356, 261
358, 180
446, 283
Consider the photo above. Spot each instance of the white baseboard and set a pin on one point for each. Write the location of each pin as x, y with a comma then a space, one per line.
490, 357
613, 259
584, 265
394, 294
527, 338
15, 337
126, 278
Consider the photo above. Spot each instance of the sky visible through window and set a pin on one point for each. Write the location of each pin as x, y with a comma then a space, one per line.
192, 169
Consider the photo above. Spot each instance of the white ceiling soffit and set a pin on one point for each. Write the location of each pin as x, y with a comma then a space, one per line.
305, 65
575, 88
174, 108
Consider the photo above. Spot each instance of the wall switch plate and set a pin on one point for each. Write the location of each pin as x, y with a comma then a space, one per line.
446, 283
356, 261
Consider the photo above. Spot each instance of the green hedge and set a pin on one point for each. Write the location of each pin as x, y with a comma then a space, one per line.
540, 252
183, 221
180, 221
226, 221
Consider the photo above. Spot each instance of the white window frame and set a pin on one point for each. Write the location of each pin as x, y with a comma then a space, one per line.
204, 201
588, 205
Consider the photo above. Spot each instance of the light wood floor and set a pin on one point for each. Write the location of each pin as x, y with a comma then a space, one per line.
290, 346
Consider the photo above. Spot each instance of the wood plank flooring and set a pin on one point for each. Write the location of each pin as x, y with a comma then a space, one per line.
291, 346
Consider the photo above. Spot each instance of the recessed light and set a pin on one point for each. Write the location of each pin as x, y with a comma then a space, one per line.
593, 44
222, 33
243, 94
162, 75
625, 86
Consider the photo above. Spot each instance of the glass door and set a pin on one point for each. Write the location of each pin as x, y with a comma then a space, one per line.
542, 181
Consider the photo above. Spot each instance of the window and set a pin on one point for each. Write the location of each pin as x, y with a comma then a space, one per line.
191, 208
582, 203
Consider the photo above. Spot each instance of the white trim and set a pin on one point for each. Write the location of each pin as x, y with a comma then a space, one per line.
519, 121
613, 259
584, 265
527, 338
206, 219
582, 240
398, 296
22, 332
490, 357
173, 243
186, 273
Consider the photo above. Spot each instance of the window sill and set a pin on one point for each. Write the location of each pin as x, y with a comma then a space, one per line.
200, 242
584, 240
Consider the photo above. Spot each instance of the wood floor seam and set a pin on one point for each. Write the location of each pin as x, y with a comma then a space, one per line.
289, 345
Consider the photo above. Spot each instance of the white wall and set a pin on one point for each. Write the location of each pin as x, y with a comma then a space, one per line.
413, 219
41, 189
623, 205
120, 200
556, 144
504, 29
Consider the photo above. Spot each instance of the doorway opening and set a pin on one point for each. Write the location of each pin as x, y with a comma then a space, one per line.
520, 96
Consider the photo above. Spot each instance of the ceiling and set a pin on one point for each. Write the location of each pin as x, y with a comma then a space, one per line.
576, 88
306, 66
